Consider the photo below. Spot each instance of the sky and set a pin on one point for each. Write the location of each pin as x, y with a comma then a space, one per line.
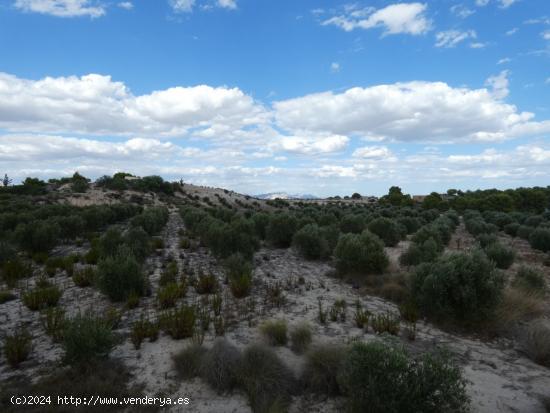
323, 97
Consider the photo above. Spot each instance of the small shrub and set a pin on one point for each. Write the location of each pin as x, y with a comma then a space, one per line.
189, 360
416, 254
517, 305
502, 256
540, 239
511, 229
281, 229
168, 295
380, 377
338, 311
537, 342
360, 253
385, 323
300, 337
321, 368
361, 316
53, 321
239, 274
206, 284
530, 279
275, 332
119, 276
265, 379
180, 322
17, 347
142, 329
132, 301
525, 231
42, 297
87, 336
485, 240
185, 243
157, 243
6, 296
84, 277
170, 274
14, 270
220, 366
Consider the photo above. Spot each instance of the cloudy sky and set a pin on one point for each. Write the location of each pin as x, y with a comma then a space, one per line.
309, 96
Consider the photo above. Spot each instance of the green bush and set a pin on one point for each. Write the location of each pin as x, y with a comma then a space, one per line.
464, 287
411, 224
169, 294
120, 275
275, 332
360, 253
416, 254
281, 229
207, 284
87, 336
41, 297
239, 275
502, 256
37, 236
220, 366
152, 220
14, 270
512, 229
310, 242
17, 347
142, 329
265, 379
6, 296
84, 277
485, 240
540, 239
53, 321
530, 279
525, 231
321, 368
351, 223
380, 377
188, 361
387, 230
170, 274
179, 322
138, 243
300, 337
428, 232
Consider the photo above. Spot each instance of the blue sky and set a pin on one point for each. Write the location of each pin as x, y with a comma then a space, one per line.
323, 97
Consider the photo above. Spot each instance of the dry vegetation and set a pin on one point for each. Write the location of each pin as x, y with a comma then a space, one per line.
144, 287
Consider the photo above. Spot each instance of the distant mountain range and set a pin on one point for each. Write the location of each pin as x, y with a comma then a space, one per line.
284, 195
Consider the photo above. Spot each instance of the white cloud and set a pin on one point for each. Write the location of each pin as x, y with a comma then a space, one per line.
182, 6
62, 8
547, 81
545, 35
335, 67
504, 61
462, 11
499, 84
127, 5
503, 4
95, 104
227, 4
312, 145
478, 45
411, 112
450, 38
370, 152
407, 18
512, 31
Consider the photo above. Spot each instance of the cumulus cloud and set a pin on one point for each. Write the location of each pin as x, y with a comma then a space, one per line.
411, 112
95, 104
545, 35
400, 18
62, 8
462, 11
127, 5
504, 4
372, 152
499, 84
227, 4
335, 67
311, 146
182, 6
450, 38
504, 60
512, 31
